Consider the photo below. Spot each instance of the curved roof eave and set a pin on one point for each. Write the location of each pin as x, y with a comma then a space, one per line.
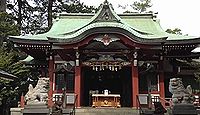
29, 39
173, 37
178, 40
105, 28
7, 76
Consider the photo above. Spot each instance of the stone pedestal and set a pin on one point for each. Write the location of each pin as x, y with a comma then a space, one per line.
16, 111
184, 109
33, 109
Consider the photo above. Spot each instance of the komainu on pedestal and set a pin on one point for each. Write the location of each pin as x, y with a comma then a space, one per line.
36, 98
182, 98
179, 93
39, 94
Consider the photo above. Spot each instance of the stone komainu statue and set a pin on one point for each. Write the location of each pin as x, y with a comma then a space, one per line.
39, 94
180, 94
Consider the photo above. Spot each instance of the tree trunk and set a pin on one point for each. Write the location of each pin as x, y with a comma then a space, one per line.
50, 4
2, 5
19, 21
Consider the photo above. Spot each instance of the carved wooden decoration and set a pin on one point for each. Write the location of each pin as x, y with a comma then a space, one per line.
106, 40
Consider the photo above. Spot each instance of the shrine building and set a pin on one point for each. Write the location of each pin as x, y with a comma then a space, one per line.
126, 54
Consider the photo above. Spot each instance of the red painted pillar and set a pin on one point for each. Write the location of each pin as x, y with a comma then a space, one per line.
161, 82
135, 88
51, 73
22, 104
77, 87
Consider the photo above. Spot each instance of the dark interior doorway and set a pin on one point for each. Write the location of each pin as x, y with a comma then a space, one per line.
117, 82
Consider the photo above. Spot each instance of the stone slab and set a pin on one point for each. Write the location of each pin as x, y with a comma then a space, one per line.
184, 109
16, 111
35, 111
36, 106
67, 111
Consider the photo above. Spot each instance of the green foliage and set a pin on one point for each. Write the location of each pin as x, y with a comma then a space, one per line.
6, 91
79, 8
10, 91
10, 64
174, 31
7, 26
141, 6
34, 13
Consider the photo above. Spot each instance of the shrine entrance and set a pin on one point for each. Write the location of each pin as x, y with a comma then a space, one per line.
116, 82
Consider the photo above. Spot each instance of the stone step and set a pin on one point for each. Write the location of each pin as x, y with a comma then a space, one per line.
106, 111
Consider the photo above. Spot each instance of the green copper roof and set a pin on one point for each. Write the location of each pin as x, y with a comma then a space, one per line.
63, 26
72, 35
73, 27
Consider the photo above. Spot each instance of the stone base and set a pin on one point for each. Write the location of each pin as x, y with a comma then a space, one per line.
33, 109
34, 106
184, 109
16, 111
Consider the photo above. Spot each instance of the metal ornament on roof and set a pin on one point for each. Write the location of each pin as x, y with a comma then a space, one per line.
106, 40
106, 13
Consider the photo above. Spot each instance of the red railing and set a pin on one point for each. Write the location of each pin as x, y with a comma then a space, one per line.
166, 101
156, 103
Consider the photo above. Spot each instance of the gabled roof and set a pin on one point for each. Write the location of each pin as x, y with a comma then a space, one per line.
72, 28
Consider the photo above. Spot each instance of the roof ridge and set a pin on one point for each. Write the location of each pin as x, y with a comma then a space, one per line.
106, 13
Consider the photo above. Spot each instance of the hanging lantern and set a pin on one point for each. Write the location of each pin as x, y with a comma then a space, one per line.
110, 67
77, 62
116, 68
113, 68
102, 67
93, 67
135, 62
106, 65
120, 66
